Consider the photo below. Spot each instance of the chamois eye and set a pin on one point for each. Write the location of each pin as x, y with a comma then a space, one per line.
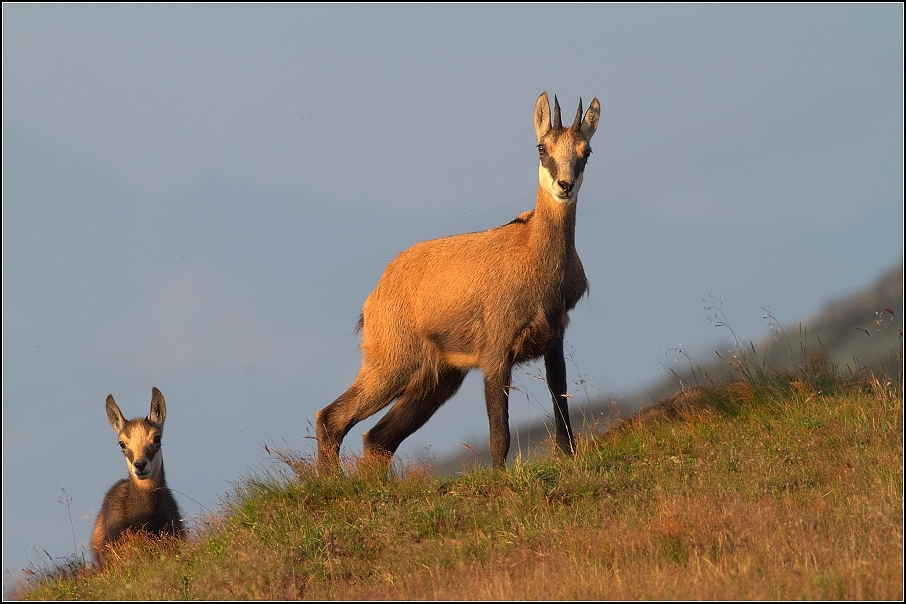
542, 150
157, 439
122, 445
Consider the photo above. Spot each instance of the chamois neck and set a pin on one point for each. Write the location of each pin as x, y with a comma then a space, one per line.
555, 216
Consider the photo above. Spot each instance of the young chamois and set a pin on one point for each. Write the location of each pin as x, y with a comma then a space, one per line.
141, 502
486, 300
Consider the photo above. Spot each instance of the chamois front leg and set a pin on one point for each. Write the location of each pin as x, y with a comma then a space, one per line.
497, 399
555, 366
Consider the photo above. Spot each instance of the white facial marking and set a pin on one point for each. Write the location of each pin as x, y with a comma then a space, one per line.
140, 440
553, 189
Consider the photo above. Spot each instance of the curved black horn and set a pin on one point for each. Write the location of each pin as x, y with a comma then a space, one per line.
557, 123
578, 121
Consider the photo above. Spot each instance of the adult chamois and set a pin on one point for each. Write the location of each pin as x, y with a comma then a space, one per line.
141, 502
489, 300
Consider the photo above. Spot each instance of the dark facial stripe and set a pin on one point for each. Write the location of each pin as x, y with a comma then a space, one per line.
579, 167
138, 432
554, 139
550, 164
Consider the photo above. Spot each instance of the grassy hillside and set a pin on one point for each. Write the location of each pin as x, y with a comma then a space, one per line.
781, 484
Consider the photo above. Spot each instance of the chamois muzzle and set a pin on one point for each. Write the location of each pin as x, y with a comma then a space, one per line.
566, 186
141, 469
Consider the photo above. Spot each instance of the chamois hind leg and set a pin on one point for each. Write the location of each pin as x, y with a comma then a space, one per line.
411, 410
555, 366
371, 391
497, 399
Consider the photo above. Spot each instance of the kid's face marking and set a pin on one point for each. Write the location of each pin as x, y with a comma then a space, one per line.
140, 441
140, 438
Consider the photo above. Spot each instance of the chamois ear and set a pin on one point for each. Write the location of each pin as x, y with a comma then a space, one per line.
590, 123
117, 421
542, 116
158, 407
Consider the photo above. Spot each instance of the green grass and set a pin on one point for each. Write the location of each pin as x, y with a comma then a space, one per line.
778, 485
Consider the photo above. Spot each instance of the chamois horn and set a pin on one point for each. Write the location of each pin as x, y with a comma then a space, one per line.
577, 123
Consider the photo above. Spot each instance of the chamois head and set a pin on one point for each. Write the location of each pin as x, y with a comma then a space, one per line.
140, 438
563, 151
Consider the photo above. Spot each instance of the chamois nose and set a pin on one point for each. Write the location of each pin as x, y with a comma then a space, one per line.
566, 186
140, 465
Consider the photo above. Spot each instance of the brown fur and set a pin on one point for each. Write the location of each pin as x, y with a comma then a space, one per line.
141, 502
488, 300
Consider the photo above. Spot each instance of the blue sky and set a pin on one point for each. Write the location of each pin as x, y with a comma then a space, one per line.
199, 198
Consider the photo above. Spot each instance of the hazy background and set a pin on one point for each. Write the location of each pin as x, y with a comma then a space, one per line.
200, 198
